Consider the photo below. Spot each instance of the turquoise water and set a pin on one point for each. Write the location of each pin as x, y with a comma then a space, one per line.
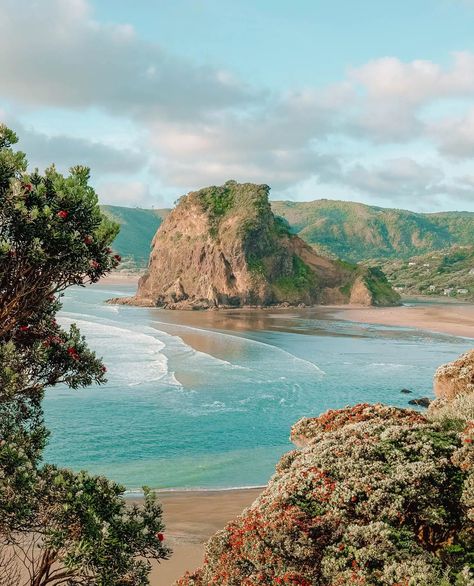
206, 400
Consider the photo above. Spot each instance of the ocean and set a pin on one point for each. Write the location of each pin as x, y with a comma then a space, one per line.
207, 399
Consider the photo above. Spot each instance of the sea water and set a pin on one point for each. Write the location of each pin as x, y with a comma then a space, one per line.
207, 399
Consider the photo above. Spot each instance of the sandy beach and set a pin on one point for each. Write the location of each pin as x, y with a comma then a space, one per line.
456, 319
191, 517
119, 278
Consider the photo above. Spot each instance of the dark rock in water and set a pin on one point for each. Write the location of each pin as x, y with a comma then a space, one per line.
406, 391
422, 402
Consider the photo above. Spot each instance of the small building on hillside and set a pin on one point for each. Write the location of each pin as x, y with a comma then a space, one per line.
462, 291
448, 291
432, 288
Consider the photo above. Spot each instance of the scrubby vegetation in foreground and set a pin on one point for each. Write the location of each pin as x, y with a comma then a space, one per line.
377, 496
56, 526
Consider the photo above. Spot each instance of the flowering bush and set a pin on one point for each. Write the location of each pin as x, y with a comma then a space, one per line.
56, 526
377, 496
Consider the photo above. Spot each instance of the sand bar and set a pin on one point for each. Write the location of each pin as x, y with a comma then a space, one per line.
456, 319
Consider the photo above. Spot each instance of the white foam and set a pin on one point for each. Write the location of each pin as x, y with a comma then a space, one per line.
131, 357
246, 340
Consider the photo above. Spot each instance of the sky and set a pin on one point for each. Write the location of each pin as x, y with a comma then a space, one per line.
365, 101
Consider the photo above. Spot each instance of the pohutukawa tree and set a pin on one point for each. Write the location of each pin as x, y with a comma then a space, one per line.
56, 527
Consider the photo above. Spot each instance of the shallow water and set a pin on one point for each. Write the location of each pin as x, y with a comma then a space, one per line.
206, 400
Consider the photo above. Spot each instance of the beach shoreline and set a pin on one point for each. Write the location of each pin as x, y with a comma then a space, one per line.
455, 319
191, 518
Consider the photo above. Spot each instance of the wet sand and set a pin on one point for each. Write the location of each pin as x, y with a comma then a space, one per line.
191, 517
456, 319
118, 278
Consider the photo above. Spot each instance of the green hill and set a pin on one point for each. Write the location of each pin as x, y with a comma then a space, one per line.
446, 272
347, 230
137, 228
356, 232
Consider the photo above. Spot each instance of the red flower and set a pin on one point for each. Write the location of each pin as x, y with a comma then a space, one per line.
27, 187
88, 240
24, 328
117, 257
160, 536
103, 369
94, 264
62, 214
73, 353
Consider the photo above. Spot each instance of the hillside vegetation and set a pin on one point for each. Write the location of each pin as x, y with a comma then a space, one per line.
347, 230
447, 272
356, 232
137, 228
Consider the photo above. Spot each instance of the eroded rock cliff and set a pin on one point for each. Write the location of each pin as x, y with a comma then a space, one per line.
223, 247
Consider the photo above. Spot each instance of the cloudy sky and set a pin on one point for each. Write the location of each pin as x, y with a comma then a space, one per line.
367, 101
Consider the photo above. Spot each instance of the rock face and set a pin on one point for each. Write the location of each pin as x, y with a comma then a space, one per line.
455, 378
376, 496
223, 247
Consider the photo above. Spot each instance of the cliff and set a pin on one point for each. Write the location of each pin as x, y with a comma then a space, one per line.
224, 247
375, 496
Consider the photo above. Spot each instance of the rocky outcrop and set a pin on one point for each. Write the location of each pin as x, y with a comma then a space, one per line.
375, 495
223, 247
455, 378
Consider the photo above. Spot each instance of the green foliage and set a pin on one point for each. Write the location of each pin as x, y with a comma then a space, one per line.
380, 288
302, 278
74, 528
137, 229
357, 232
432, 273
376, 496
347, 230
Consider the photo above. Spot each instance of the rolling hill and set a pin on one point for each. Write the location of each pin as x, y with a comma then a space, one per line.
137, 228
355, 232
351, 231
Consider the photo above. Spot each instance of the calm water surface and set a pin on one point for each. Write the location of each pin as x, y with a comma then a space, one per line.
207, 399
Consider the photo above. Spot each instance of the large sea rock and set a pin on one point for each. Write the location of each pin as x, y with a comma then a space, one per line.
455, 378
224, 247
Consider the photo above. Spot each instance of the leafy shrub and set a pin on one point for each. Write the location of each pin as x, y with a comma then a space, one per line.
376, 496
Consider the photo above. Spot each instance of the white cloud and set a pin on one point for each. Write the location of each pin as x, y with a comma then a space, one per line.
455, 135
200, 125
66, 151
65, 58
128, 193
402, 178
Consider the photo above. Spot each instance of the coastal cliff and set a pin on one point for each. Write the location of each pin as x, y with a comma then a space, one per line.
374, 496
224, 247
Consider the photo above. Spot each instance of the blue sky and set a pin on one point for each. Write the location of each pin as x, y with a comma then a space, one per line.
368, 101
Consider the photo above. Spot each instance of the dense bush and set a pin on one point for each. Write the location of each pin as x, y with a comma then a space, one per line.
376, 496
56, 526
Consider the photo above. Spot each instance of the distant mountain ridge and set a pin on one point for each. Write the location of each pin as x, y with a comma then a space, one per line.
356, 232
347, 230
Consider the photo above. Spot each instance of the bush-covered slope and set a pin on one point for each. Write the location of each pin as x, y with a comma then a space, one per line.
356, 232
375, 496
137, 228
445, 272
